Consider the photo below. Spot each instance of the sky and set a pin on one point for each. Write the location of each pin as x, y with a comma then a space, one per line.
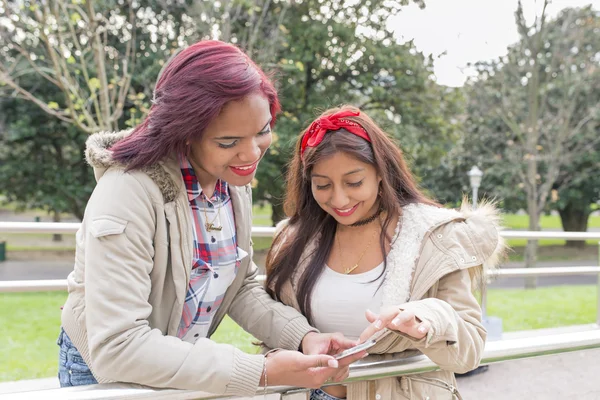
467, 30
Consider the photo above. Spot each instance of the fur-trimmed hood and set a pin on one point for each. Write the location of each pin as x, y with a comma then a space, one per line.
470, 237
99, 156
97, 149
489, 220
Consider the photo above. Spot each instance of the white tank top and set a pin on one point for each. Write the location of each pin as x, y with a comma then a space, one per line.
339, 301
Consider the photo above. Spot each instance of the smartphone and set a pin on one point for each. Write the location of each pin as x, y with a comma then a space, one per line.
372, 341
356, 349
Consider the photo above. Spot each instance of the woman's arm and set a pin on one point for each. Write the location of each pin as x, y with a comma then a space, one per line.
119, 251
455, 339
270, 321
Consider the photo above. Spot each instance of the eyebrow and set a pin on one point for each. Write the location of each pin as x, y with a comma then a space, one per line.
264, 129
347, 173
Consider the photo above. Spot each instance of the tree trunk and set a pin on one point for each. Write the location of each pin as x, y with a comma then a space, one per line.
574, 219
530, 260
532, 245
534, 205
56, 218
534, 226
277, 212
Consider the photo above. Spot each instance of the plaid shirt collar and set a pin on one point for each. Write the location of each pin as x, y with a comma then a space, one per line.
192, 186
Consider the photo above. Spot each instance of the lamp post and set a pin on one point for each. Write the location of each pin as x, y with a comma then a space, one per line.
475, 175
492, 324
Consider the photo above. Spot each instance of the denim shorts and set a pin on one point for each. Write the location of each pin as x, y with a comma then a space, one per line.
72, 370
318, 394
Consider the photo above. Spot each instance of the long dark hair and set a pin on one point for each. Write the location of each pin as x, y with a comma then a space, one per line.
309, 221
191, 91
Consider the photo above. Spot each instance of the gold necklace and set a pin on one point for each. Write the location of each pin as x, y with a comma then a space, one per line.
348, 270
210, 226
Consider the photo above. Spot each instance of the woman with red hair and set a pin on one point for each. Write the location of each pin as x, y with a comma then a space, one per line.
164, 249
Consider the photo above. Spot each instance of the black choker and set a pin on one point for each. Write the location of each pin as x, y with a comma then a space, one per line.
368, 220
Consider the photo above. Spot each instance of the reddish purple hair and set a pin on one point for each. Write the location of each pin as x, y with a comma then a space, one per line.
191, 91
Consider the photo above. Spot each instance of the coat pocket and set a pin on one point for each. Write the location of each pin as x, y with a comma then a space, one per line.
422, 387
107, 225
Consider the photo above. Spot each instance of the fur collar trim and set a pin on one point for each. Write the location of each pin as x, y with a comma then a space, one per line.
99, 156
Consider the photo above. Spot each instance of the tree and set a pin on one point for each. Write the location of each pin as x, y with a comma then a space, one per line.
43, 129
71, 45
341, 53
92, 66
533, 113
41, 164
579, 195
254, 25
323, 53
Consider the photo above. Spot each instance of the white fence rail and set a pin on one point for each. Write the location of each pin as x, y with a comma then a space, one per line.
264, 231
72, 227
61, 284
267, 231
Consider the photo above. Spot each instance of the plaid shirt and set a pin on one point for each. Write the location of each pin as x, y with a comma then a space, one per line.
216, 255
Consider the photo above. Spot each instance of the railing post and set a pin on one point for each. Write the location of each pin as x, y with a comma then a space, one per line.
484, 294
598, 292
493, 325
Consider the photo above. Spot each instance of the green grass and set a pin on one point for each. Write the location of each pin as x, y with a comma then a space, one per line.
548, 307
29, 323
556, 253
544, 242
38, 248
230, 332
29, 326
37, 242
262, 243
514, 221
262, 217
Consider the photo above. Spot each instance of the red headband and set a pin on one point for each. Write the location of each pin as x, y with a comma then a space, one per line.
317, 130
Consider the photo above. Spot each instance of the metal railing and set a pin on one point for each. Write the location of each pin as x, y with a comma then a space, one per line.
267, 231
264, 231
72, 227
61, 284
495, 351
369, 369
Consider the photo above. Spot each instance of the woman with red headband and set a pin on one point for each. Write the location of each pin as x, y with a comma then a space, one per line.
365, 250
164, 250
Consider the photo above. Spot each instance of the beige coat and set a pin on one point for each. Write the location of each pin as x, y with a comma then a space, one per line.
431, 270
126, 293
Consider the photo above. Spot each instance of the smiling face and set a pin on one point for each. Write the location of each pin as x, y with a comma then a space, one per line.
233, 143
345, 188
